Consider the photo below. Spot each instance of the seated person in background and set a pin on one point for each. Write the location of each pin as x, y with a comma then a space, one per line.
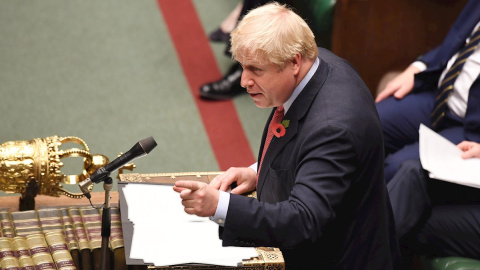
440, 90
322, 197
434, 217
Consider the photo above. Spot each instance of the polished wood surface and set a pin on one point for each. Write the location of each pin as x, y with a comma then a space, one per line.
377, 36
11, 203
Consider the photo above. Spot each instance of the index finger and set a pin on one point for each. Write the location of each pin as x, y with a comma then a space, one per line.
215, 183
384, 94
192, 185
223, 181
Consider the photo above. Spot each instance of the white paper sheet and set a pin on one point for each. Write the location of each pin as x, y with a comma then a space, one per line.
165, 235
441, 158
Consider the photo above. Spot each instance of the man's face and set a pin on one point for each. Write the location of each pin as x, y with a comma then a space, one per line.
267, 85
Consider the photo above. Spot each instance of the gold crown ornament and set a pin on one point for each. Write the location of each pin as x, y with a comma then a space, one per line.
21, 162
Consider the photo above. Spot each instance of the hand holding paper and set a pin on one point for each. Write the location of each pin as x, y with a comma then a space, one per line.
443, 159
470, 149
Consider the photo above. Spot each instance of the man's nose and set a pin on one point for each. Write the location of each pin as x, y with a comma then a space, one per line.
245, 81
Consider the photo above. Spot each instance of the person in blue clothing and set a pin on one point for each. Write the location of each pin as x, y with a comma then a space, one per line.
410, 98
442, 91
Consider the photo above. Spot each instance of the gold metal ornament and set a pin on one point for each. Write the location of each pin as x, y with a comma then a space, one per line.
21, 162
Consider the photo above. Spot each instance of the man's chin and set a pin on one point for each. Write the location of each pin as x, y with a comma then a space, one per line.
260, 104
261, 101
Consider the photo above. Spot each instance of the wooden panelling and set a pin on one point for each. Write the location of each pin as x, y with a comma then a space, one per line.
377, 36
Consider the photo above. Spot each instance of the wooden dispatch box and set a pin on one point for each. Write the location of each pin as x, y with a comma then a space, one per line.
268, 258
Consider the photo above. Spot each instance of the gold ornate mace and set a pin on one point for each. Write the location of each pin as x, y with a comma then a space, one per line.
38, 161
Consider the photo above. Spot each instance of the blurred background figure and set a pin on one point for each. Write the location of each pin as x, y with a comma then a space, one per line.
439, 90
222, 33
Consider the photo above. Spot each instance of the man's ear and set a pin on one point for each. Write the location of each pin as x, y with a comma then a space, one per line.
296, 63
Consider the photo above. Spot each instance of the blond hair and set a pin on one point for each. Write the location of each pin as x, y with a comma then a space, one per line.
273, 33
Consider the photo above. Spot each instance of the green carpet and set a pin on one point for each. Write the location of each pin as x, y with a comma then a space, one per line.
107, 72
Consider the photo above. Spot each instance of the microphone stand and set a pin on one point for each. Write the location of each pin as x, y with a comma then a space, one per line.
140, 149
106, 223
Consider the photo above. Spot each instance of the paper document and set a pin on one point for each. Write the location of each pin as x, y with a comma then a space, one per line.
441, 158
163, 234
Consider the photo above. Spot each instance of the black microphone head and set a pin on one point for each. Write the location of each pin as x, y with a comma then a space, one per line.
148, 144
140, 149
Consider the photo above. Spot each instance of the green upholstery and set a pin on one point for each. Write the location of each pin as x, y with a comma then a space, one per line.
452, 263
319, 16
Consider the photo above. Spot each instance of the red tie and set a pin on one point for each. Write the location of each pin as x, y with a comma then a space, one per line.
277, 117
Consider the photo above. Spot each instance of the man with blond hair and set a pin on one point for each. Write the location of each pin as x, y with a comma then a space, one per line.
319, 179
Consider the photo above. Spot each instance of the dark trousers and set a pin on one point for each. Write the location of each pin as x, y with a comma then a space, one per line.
451, 230
434, 217
401, 119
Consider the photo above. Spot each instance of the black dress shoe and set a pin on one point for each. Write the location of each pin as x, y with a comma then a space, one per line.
219, 36
226, 88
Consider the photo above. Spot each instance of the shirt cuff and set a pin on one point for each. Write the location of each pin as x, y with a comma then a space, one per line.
222, 209
254, 167
420, 65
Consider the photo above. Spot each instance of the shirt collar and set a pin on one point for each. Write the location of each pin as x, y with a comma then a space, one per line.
301, 85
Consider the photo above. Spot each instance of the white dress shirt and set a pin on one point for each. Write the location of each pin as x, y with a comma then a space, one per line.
457, 102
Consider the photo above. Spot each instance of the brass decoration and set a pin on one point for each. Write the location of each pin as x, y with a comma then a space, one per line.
168, 178
39, 160
270, 258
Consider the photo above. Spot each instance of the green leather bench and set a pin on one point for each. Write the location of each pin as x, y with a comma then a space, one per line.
319, 16
451, 263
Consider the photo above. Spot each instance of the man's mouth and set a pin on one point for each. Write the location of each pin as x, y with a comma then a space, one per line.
253, 94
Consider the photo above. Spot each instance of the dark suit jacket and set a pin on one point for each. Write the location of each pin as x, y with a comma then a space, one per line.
437, 59
321, 194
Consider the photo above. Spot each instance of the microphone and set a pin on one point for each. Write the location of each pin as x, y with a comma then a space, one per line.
140, 149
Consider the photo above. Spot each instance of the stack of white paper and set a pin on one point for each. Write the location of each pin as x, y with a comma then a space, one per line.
441, 158
165, 235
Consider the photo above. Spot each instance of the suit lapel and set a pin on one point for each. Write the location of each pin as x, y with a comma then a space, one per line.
296, 112
460, 31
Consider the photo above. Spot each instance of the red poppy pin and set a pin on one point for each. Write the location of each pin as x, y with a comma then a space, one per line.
279, 129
